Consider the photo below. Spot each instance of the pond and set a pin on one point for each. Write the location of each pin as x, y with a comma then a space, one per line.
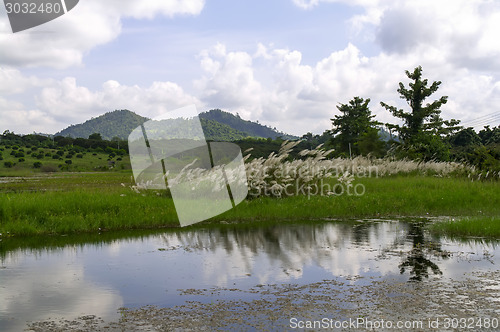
247, 277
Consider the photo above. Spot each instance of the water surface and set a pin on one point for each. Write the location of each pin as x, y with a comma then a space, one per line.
61, 277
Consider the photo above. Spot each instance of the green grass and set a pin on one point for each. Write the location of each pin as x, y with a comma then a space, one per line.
66, 203
89, 161
486, 227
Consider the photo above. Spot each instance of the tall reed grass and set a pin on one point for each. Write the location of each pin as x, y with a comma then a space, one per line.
277, 174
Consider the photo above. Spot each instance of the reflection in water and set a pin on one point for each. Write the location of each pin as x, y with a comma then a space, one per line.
96, 274
417, 260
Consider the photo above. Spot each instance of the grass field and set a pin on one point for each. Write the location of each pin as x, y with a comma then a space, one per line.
64, 203
24, 161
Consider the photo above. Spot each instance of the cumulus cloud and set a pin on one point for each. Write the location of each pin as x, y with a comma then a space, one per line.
64, 102
276, 87
62, 43
69, 102
12, 81
455, 41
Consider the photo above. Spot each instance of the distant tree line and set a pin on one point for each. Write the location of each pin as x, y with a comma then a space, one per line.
94, 143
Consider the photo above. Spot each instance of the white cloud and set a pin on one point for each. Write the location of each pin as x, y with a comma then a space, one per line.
70, 102
455, 41
62, 42
64, 102
12, 81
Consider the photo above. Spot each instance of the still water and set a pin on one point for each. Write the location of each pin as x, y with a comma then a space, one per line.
69, 277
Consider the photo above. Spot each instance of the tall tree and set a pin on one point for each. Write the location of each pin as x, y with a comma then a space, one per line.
353, 125
423, 129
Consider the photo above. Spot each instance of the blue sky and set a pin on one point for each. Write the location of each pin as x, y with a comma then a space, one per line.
286, 63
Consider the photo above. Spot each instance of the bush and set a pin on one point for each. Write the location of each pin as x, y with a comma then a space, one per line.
15, 147
69, 156
48, 154
55, 156
37, 164
60, 153
19, 155
8, 164
79, 155
21, 160
39, 156
69, 162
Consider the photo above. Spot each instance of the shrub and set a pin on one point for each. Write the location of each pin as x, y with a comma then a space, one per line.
8, 164
55, 156
79, 155
15, 147
60, 153
21, 160
69, 162
19, 155
37, 164
39, 156
48, 154
69, 156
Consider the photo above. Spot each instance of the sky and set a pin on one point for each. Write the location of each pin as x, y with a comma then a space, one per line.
286, 63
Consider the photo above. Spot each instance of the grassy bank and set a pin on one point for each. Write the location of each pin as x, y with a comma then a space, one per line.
485, 227
87, 202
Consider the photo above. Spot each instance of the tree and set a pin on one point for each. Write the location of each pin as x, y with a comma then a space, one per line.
96, 136
465, 137
352, 126
423, 129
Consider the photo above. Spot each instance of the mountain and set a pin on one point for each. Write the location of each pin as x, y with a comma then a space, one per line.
253, 129
119, 123
217, 126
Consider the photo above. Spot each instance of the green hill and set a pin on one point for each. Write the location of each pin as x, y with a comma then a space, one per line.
252, 129
119, 123
217, 126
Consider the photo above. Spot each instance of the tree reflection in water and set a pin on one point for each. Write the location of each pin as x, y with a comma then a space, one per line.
293, 246
418, 259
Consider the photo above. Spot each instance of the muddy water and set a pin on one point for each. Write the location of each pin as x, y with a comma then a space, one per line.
254, 278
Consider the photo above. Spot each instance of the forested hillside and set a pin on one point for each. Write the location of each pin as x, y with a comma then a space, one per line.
119, 123
252, 129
